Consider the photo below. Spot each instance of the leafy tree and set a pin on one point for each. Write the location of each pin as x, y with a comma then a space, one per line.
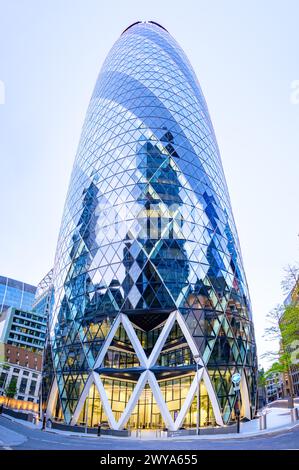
282, 357
280, 366
290, 278
283, 327
289, 324
273, 332
11, 389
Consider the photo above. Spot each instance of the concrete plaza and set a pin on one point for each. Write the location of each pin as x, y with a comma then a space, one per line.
281, 433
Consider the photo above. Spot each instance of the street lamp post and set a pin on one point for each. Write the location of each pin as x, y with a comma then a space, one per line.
86, 413
237, 411
197, 396
236, 379
44, 425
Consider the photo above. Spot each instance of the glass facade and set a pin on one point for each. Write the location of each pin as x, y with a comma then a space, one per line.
15, 294
151, 304
22, 340
25, 329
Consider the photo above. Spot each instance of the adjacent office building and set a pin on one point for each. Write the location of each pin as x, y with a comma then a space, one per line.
151, 304
274, 387
293, 298
16, 294
22, 338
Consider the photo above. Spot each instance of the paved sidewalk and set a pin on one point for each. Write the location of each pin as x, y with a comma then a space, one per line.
10, 438
27, 424
278, 420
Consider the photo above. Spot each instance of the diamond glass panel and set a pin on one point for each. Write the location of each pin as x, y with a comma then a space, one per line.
148, 230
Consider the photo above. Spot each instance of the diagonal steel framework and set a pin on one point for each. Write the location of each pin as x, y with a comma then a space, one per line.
148, 377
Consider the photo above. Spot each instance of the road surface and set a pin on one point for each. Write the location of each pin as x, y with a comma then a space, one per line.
20, 437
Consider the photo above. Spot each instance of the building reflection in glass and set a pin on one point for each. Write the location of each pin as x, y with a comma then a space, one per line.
148, 230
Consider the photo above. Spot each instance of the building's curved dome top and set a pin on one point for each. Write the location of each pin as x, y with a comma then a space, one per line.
148, 65
144, 22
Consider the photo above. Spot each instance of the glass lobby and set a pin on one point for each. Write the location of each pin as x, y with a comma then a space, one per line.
146, 414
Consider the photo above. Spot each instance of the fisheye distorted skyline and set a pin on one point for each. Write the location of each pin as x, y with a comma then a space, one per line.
246, 61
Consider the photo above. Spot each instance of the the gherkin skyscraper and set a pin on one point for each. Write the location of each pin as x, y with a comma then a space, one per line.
151, 302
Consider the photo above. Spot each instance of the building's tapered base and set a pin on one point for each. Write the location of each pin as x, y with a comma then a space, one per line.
134, 387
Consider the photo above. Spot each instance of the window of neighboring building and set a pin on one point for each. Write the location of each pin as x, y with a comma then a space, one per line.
23, 385
32, 387
3, 378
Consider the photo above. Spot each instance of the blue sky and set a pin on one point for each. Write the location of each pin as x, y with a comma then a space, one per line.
245, 55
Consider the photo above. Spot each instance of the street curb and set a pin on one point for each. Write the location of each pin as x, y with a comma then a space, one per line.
219, 437
216, 437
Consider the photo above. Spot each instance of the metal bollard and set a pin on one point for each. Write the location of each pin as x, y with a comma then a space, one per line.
263, 422
294, 415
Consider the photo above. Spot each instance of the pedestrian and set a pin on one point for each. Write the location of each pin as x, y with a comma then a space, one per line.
44, 422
